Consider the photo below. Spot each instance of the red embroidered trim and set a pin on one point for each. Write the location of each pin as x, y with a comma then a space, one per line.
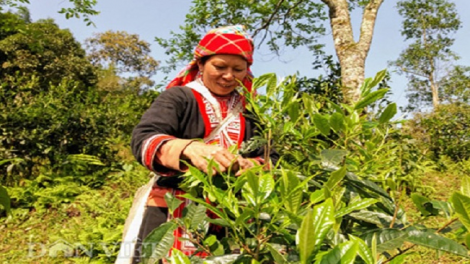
151, 146
241, 136
202, 109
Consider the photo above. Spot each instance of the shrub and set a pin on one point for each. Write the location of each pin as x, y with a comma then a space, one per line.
444, 132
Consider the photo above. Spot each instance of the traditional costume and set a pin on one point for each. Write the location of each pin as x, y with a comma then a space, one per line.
187, 110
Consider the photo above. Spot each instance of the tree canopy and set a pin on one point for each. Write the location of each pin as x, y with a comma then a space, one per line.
124, 53
285, 24
429, 25
43, 50
80, 8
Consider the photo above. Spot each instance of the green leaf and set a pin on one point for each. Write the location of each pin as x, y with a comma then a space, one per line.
331, 158
461, 205
322, 123
420, 202
399, 259
172, 202
199, 175
377, 218
268, 79
358, 205
335, 178
304, 235
435, 241
386, 239
370, 98
363, 185
317, 196
291, 193
5, 199
388, 113
195, 215
378, 78
467, 240
266, 185
465, 186
247, 213
366, 87
293, 111
278, 258
178, 257
209, 206
253, 183
159, 242
214, 245
222, 259
324, 218
445, 207
337, 122
363, 250
344, 253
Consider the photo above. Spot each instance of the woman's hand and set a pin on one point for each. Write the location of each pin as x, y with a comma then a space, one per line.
199, 155
245, 164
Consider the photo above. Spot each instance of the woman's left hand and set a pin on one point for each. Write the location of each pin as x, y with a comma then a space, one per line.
245, 164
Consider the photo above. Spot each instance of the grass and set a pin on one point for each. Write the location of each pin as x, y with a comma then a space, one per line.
443, 185
90, 225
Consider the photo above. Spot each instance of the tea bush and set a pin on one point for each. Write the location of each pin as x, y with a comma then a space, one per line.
321, 204
444, 132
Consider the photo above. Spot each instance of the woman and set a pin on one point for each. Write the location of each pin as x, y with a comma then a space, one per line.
196, 119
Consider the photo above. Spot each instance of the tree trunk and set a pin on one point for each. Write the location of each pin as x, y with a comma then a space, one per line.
435, 93
352, 55
434, 85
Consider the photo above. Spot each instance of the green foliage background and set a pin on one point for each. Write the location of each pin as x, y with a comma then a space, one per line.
346, 180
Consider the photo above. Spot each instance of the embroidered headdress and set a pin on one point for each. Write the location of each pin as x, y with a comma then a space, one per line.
232, 40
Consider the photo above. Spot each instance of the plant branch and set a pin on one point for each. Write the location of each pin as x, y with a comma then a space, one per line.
437, 232
270, 19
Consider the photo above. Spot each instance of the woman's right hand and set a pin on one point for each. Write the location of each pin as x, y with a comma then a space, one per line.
199, 154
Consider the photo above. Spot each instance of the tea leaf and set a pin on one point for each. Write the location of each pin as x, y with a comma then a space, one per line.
322, 123
363, 250
435, 241
378, 78
388, 113
305, 235
178, 257
5, 199
386, 239
420, 202
337, 122
195, 215
159, 242
266, 185
465, 188
461, 204
335, 178
371, 98
172, 202
342, 254
324, 219
377, 218
278, 258
362, 204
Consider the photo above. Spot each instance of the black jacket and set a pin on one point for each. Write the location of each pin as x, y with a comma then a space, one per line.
176, 112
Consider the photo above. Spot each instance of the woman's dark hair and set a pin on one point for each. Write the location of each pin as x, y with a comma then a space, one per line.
204, 59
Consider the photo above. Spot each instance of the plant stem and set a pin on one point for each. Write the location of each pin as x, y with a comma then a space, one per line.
397, 207
437, 232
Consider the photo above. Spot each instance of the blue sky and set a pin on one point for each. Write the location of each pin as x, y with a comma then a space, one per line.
151, 18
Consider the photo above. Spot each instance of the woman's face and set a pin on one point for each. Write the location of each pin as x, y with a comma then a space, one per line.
221, 73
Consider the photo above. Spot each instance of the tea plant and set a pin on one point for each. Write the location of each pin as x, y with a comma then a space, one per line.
322, 203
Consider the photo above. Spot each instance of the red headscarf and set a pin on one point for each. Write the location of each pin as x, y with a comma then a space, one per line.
225, 40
